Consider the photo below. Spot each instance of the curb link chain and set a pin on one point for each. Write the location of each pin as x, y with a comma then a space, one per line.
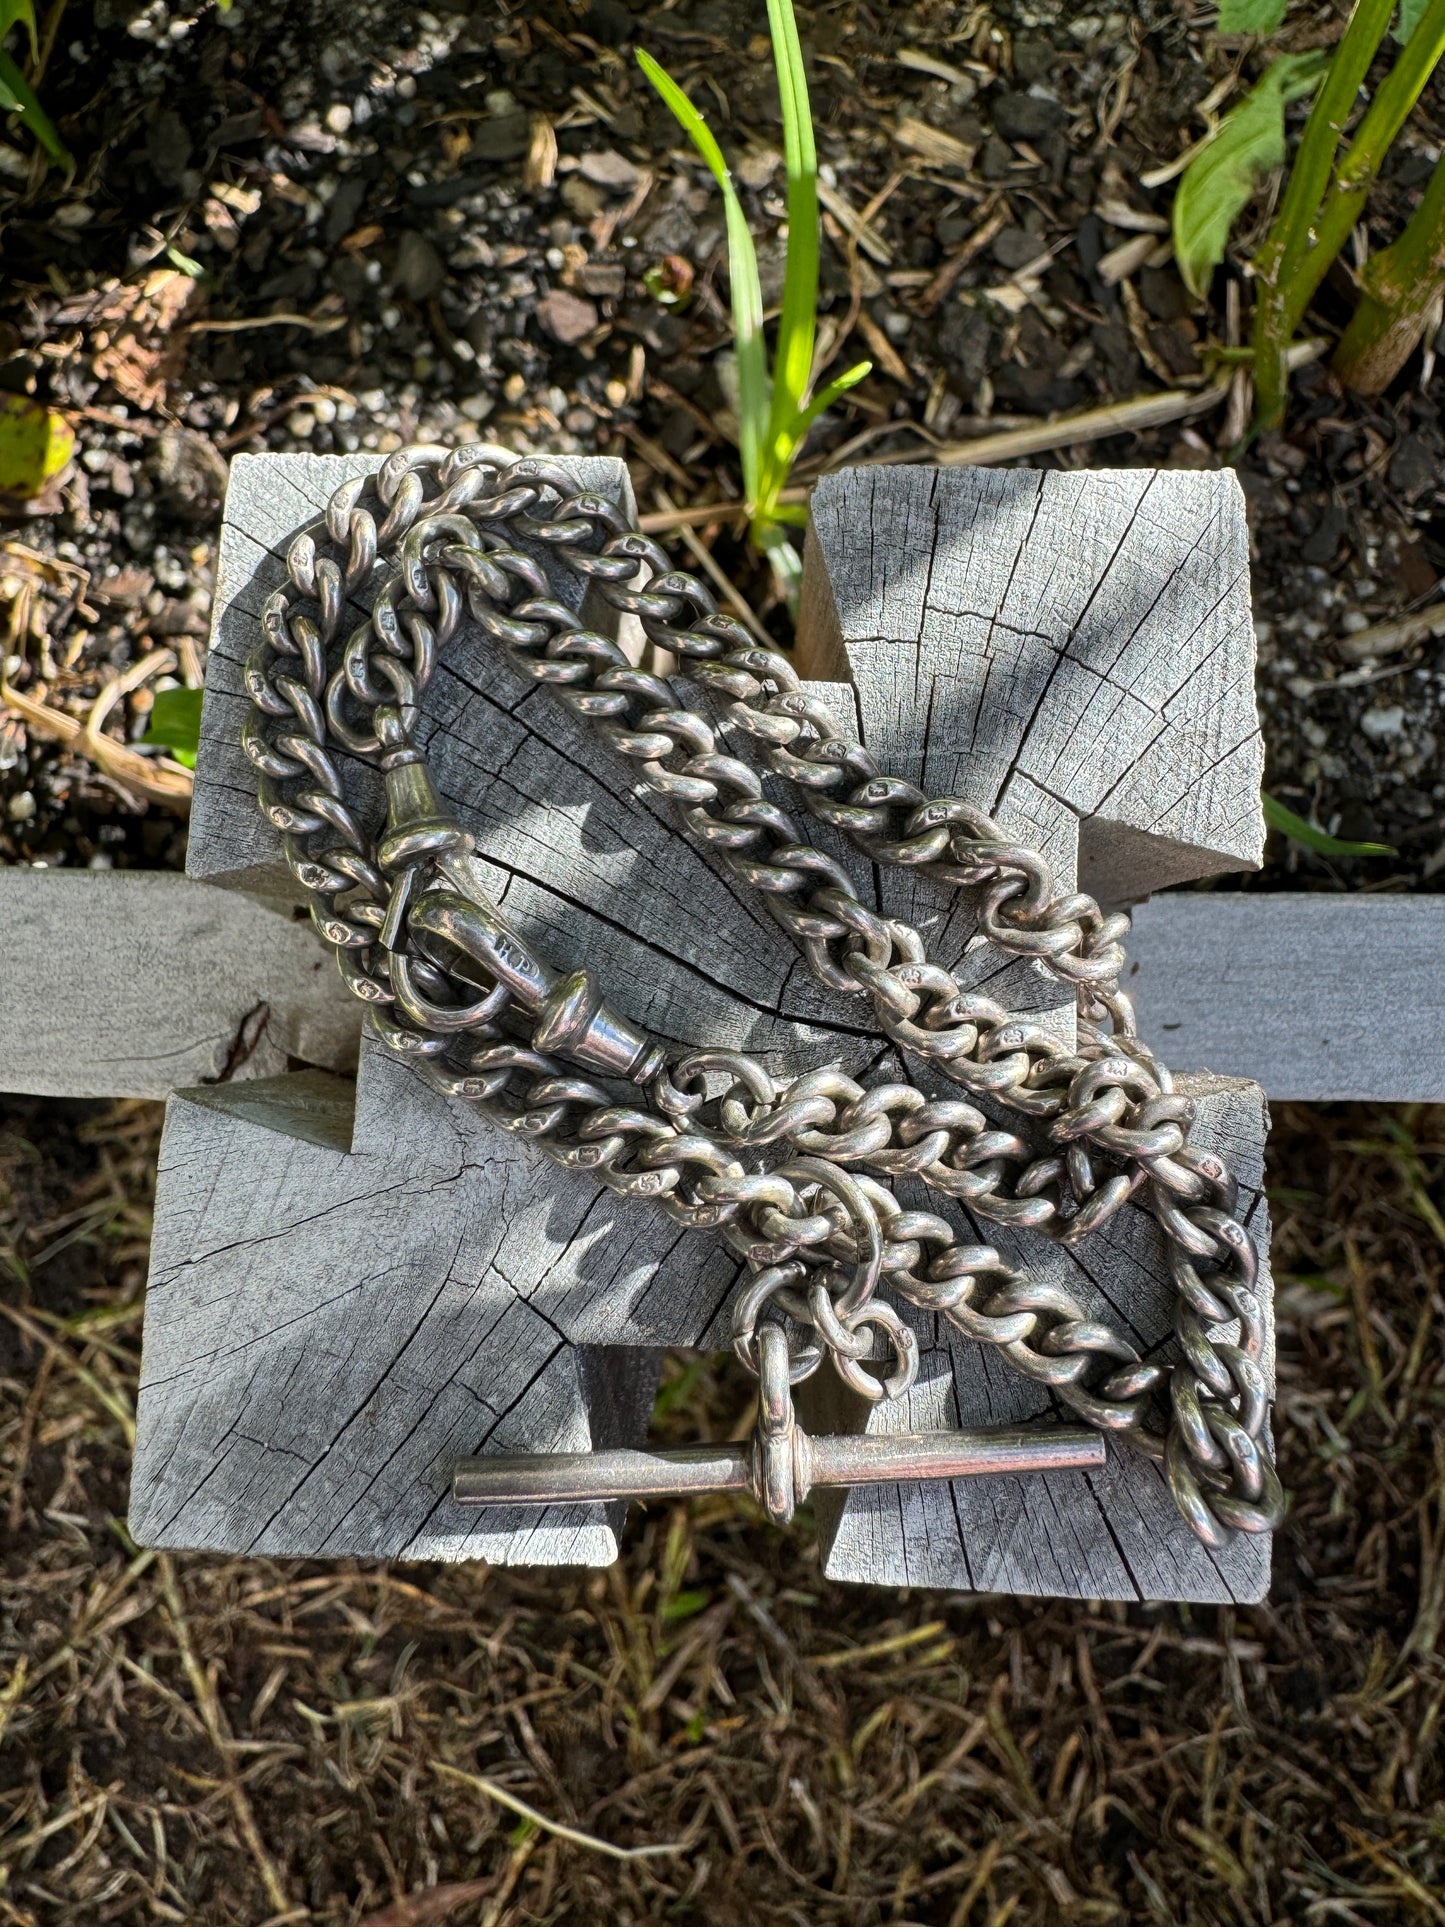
451, 988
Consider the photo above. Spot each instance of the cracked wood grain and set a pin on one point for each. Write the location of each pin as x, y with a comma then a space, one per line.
344, 1301
1092, 655
129, 983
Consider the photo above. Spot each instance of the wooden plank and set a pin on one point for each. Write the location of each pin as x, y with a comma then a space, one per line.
1338, 996
135, 983
963, 684
127, 983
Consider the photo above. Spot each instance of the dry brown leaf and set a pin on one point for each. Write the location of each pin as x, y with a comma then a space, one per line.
136, 339
540, 168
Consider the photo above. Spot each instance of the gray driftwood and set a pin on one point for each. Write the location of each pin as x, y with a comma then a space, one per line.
129, 983
1319, 996
135, 983
328, 1327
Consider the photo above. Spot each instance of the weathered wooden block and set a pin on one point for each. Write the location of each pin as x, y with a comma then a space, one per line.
1113, 1534
371, 1294
135, 984
1324, 996
322, 1343
270, 498
1092, 651
128, 983
1074, 653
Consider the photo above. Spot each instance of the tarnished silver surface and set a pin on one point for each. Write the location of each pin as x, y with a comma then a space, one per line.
451, 987
571, 1478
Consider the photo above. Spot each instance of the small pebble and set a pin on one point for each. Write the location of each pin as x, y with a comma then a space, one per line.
420, 271
566, 316
1015, 247
1380, 725
582, 197
608, 169
1025, 117
758, 166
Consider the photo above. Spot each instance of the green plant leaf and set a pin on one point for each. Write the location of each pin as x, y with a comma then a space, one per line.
1410, 12
1250, 16
17, 96
793, 433
35, 444
1280, 818
1219, 181
175, 724
746, 289
797, 324
23, 12
683, 1605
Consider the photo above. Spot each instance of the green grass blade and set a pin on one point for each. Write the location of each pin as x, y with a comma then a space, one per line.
17, 96
797, 325
747, 293
21, 12
1298, 830
1314, 159
791, 436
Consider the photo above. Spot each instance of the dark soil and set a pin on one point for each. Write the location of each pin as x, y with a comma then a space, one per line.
365, 167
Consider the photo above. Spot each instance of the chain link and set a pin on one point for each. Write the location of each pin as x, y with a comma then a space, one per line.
451, 988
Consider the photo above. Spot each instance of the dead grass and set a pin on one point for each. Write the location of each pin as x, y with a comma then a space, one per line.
709, 1732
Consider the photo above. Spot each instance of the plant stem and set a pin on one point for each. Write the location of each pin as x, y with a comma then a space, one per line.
1400, 285
1387, 113
1288, 240
797, 324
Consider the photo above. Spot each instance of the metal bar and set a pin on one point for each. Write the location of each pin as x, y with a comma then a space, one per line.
882, 1458
554, 1478
559, 1478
